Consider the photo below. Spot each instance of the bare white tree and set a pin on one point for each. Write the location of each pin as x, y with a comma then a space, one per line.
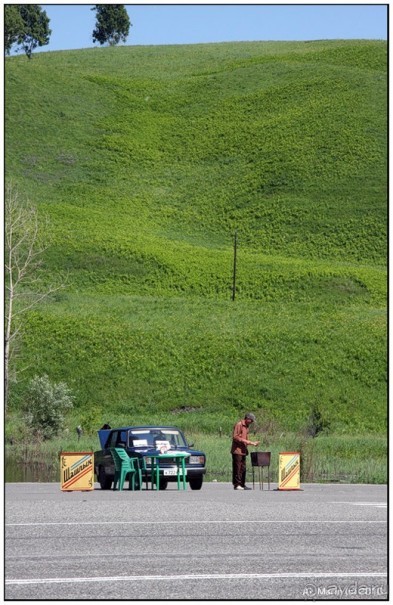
23, 252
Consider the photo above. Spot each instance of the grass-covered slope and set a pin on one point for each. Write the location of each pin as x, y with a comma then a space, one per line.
146, 160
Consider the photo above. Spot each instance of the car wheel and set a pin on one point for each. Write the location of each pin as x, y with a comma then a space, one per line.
104, 481
196, 483
163, 484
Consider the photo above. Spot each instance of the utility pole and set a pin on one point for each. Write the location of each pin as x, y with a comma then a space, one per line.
234, 266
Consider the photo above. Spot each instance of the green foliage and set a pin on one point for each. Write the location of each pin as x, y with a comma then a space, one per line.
160, 354
146, 160
343, 459
13, 26
316, 424
90, 419
47, 405
26, 25
112, 24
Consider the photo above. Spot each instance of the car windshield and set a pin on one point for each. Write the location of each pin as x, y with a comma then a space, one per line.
156, 437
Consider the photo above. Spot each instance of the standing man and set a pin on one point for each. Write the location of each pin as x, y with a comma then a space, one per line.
239, 451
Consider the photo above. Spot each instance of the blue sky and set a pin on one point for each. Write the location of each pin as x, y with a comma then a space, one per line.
72, 24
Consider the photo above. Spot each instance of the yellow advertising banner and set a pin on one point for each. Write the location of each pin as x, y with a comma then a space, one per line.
289, 470
76, 471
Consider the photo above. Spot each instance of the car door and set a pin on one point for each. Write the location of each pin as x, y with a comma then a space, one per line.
108, 460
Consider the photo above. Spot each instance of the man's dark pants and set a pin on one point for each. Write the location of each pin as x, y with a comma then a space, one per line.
238, 470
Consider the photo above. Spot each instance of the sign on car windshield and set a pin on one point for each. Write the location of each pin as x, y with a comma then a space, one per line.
169, 438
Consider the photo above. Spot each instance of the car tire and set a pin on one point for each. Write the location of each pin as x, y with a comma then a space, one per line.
163, 484
104, 481
196, 482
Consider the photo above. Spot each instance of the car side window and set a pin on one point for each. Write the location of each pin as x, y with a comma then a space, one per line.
122, 439
113, 439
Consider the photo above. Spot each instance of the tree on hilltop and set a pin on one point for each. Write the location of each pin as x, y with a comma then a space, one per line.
112, 24
13, 26
25, 25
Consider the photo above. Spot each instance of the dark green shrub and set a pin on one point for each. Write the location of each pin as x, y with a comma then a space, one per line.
46, 405
316, 423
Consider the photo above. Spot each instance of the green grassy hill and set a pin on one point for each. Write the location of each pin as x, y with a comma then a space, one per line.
146, 160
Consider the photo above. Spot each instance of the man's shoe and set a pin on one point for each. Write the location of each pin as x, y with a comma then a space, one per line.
239, 487
245, 487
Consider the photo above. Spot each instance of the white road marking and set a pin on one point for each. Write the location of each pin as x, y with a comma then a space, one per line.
182, 577
375, 504
220, 522
190, 522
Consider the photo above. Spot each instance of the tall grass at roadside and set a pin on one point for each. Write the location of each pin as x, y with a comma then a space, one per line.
330, 458
333, 458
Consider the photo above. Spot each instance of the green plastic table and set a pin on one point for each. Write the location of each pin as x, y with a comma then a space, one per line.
180, 459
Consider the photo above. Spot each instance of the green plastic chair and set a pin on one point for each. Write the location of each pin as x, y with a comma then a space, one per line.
124, 465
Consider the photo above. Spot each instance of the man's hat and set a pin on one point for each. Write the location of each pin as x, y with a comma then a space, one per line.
250, 417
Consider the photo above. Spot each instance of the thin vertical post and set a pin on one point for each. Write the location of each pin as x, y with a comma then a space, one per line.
234, 266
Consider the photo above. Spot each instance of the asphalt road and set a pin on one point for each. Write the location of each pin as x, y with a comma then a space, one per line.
324, 542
